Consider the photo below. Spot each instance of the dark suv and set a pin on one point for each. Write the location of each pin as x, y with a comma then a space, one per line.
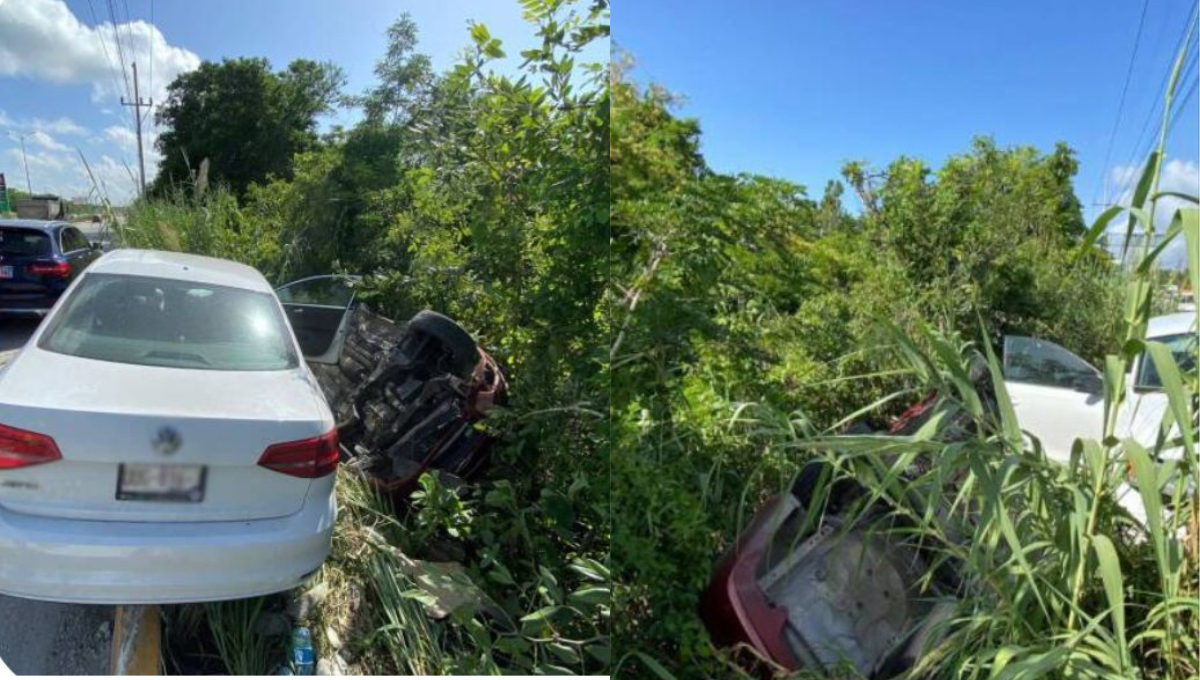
38, 260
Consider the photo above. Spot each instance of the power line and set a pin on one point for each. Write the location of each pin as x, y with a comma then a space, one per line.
104, 48
1112, 136
1141, 150
129, 39
1141, 153
112, 13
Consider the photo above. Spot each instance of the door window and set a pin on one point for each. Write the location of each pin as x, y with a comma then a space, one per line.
316, 310
324, 291
73, 239
1183, 350
1041, 362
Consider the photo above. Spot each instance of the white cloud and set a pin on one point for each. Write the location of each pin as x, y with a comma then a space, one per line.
59, 126
123, 137
46, 142
63, 173
43, 39
1177, 175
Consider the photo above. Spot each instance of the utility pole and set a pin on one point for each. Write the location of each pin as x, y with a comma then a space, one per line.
137, 105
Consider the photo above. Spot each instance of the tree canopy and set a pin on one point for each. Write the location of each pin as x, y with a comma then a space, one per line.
246, 120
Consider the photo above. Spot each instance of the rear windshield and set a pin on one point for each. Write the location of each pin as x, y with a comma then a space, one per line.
24, 242
168, 322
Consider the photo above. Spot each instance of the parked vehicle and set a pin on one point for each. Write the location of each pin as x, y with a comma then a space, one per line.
38, 261
406, 395
1058, 397
162, 440
42, 207
1187, 301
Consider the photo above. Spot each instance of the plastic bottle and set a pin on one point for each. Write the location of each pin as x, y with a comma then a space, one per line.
302, 655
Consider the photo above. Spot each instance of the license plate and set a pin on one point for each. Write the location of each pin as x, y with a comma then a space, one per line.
6, 271
174, 483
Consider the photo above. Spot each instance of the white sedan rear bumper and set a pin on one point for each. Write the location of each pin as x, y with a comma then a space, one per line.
98, 562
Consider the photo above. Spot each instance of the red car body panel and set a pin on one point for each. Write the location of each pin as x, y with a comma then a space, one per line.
734, 608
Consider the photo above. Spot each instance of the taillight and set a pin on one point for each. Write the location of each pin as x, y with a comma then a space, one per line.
20, 448
307, 458
58, 270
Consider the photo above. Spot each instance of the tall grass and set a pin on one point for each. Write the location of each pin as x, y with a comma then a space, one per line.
243, 649
212, 223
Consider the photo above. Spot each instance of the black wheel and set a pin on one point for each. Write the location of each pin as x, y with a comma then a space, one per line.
815, 478
805, 485
458, 343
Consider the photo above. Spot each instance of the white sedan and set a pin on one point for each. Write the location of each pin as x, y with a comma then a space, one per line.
1058, 397
163, 440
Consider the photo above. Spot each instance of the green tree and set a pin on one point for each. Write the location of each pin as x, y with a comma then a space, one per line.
242, 117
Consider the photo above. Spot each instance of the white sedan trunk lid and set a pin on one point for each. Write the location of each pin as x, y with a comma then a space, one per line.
103, 414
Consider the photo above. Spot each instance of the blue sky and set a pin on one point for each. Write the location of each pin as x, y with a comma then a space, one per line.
60, 82
794, 89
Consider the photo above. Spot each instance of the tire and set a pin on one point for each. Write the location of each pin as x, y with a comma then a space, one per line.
458, 343
805, 488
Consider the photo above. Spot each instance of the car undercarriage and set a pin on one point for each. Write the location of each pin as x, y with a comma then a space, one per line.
407, 398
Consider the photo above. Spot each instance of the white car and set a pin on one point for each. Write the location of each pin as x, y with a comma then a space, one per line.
1058, 397
162, 439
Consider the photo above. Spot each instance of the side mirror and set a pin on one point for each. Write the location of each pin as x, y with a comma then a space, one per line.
96, 245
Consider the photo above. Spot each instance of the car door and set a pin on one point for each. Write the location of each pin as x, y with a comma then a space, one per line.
77, 249
1058, 397
316, 307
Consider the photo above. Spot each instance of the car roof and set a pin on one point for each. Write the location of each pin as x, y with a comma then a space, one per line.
1171, 324
184, 267
44, 225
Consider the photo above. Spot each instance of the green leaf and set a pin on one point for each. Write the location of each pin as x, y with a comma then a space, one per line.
1149, 172
590, 569
1177, 395
654, 666
1175, 194
1151, 258
1114, 589
599, 652
1097, 229
541, 615
565, 653
480, 34
1145, 476
1008, 416
1036, 665
1190, 219
592, 596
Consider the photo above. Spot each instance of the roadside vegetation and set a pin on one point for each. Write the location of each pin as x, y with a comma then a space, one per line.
753, 323
481, 196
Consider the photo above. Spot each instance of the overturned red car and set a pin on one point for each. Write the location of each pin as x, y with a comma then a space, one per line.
407, 396
823, 577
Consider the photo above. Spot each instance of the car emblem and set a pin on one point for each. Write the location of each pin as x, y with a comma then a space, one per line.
166, 441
